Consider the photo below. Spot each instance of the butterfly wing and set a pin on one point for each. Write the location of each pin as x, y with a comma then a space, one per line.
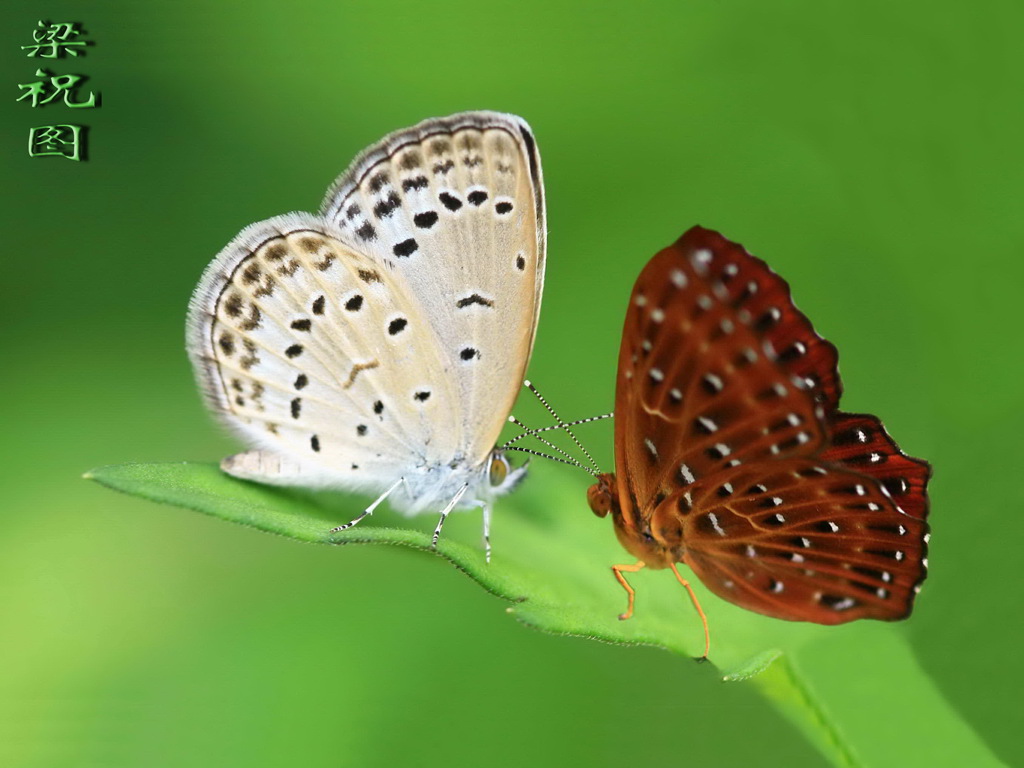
306, 348
830, 540
454, 208
391, 332
717, 367
732, 456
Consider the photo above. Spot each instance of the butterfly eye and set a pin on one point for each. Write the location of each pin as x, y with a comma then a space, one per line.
600, 499
498, 471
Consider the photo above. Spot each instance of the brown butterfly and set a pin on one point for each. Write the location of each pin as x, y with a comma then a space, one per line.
733, 458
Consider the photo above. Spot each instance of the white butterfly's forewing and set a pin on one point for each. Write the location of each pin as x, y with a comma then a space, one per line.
388, 337
455, 207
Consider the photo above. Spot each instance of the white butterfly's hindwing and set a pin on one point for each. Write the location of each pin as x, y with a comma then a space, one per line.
388, 337
306, 353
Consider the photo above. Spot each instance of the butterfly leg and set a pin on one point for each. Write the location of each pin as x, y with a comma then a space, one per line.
444, 514
369, 510
617, 570
486, 509
696, 604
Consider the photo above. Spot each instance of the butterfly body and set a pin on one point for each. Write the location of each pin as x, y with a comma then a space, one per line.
734, 459
378, 345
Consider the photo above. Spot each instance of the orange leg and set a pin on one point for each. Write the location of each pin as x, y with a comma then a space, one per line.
696, 604
617, 570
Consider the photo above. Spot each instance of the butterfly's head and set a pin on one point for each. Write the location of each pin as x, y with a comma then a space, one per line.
502, 477
602, 496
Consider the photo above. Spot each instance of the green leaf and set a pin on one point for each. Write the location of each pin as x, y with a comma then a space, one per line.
551, 562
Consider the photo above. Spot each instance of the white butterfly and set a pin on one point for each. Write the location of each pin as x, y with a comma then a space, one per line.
379, 345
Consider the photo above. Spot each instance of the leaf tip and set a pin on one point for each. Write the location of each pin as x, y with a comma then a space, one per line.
752, 666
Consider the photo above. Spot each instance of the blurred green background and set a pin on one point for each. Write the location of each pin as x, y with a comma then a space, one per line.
869, 152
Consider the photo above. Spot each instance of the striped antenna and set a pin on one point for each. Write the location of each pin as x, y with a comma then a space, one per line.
550, 445
534, 432
529, 385
551, 458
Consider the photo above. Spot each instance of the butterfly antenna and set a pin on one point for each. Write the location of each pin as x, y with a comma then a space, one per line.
550, 445
551, 458
538, 430
529, 385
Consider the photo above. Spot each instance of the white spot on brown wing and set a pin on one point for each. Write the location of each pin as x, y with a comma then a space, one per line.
675, 394
715, 524
709, 425
678, 278
656, 374
713, 381
640, 300
657, 315
796, 557
700, 259
652, 449
686, 473
750, 551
